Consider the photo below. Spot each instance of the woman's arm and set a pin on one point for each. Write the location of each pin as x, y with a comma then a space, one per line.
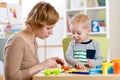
48, 63
12, 62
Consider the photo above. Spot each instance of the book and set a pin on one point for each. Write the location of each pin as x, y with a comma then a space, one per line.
101, 2
69, 17
98, 26
92, 3
68, 25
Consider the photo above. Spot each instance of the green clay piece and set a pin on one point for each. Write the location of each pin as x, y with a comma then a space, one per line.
47, 72
56, 72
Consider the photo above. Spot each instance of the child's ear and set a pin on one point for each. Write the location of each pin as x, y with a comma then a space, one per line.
89, 29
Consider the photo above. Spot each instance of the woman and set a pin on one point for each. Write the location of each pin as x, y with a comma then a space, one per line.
20, 54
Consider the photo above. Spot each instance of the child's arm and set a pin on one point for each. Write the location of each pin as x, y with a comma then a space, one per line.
98, 56
69, 55
90, 63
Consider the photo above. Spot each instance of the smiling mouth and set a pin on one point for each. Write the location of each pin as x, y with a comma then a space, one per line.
77, 40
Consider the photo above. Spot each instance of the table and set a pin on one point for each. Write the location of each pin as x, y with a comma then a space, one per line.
64, 76
1, 77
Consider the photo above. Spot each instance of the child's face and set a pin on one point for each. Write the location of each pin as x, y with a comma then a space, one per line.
79, 33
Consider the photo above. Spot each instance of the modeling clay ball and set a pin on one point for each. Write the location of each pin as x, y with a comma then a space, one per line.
47, 72
56, 72
65, 67
74, 70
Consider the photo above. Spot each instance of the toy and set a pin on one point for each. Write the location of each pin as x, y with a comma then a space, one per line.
76, 71
52, 71
71, 70
80, 72
117, 68
105, 68
47, 72
95, 71
110, 68
98, 67
65, 67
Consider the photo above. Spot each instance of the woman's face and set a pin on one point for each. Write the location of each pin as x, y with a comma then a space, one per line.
44, 32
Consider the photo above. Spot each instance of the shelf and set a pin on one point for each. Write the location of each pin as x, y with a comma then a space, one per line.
98, 33
95, 8
94, 11
5, 23
71, 10
91, 33
10, 24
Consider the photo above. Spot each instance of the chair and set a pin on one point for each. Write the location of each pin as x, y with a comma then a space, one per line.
103, 42
1, 70
2, 45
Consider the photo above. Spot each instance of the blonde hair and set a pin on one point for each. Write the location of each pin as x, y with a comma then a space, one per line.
42, 14
81, 19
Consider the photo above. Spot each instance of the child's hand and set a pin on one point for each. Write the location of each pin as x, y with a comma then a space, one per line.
90, 63
80, 65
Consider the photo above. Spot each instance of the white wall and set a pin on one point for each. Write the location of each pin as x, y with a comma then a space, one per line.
27, 6
114, 6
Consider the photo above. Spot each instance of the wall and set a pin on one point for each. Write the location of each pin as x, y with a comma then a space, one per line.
114, 21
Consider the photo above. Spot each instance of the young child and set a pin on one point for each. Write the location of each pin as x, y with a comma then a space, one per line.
79, 48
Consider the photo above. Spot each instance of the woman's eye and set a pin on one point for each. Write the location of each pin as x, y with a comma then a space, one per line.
49, 28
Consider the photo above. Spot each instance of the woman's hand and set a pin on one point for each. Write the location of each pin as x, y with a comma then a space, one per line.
49, 63
52, 62
59, 60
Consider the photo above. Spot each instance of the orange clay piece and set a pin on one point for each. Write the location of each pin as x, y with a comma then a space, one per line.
65, 67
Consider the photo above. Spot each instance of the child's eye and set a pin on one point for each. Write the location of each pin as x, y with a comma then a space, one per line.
73, 33
78, 33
